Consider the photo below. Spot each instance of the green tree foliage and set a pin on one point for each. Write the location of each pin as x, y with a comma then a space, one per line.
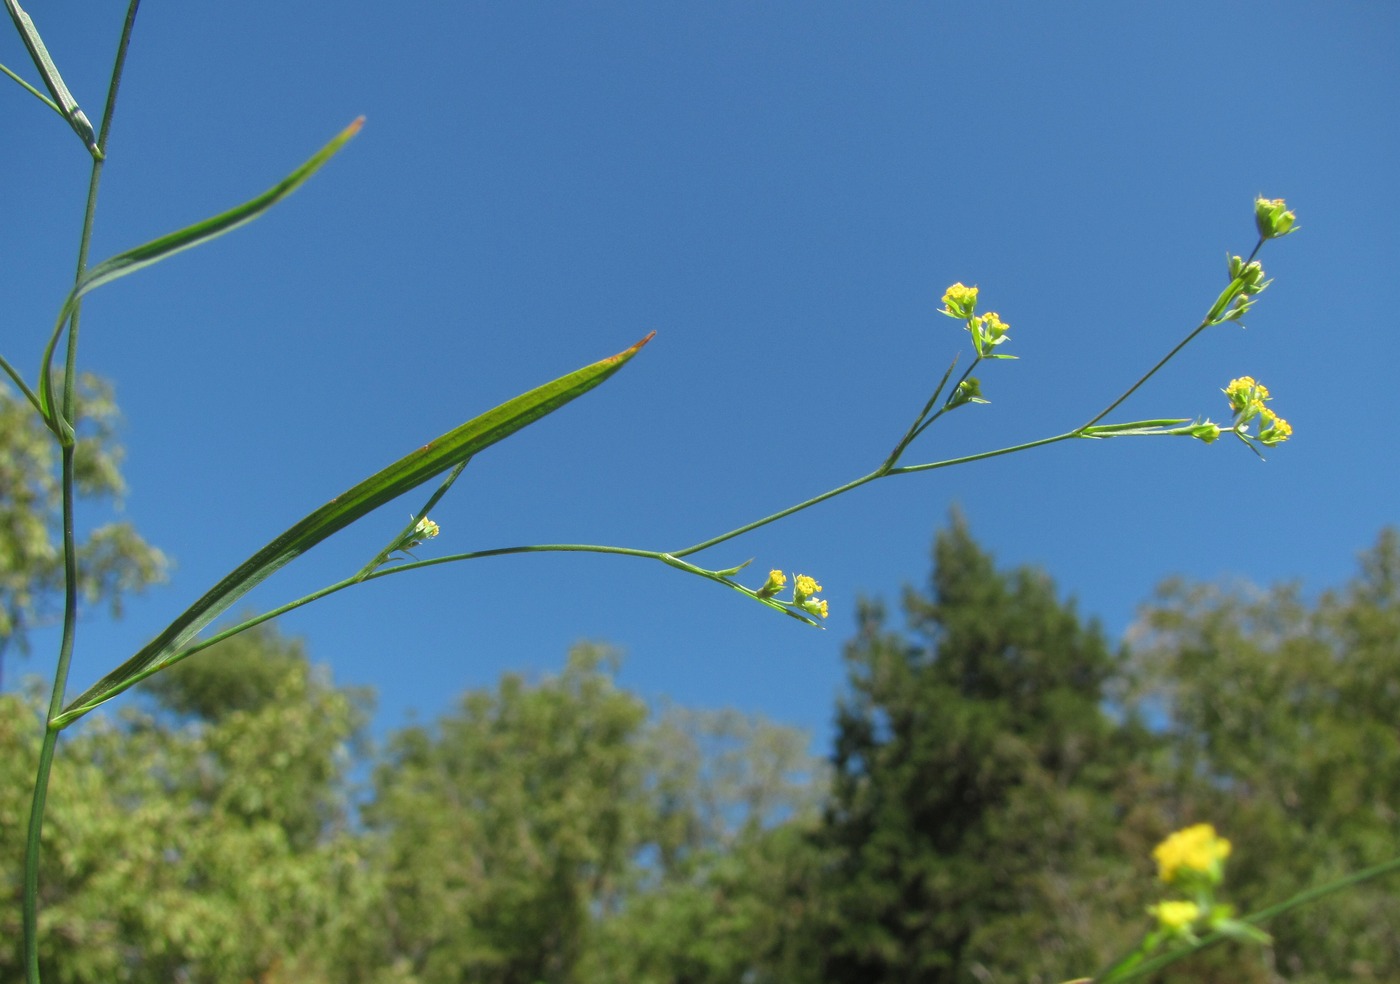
112, 559
506, 823
1280, 719
972, 830
727, 876
551, 831
181, 848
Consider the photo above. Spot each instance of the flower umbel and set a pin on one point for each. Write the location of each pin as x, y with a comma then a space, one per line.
1192, 854
804, 590
1247, 398
959, 301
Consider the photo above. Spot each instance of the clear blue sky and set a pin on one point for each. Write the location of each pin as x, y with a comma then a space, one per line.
781, 191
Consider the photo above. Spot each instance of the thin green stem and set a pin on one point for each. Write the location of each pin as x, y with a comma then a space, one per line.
403, 534
30, 904
1263, 915
64, 719
34, 92
1216, 309
980, 456
66, 438
29, 394
880, 472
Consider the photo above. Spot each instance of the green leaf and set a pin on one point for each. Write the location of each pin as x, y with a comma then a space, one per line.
182, 239
65, 103
407, 473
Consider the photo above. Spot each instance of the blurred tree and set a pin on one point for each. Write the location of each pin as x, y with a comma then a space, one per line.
973, 830
112, 559
725, 871
198, 849
1281, 725
549, 831
508, 823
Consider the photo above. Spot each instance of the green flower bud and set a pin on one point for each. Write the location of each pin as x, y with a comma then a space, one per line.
1272, 218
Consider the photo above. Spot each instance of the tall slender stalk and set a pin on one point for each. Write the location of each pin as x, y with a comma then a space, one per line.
67, 439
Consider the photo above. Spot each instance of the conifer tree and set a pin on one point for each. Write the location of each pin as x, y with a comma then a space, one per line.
970, 835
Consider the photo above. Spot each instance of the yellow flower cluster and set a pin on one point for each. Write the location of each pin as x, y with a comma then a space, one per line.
803, 589
959, 301
802, 593
1196, 850
1245, 393
1247, 397
1176, 916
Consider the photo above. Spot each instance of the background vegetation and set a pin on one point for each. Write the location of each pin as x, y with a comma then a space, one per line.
999, 775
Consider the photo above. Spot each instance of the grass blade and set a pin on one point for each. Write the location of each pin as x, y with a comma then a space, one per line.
67, 105
408, 472
182, 239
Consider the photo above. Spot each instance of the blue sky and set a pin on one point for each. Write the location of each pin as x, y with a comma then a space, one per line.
781, 191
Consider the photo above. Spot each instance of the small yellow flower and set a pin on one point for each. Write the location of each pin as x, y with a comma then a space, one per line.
1194, 850
993, 327
426, 528
814, 606
805, 588
1246, 396
959, 301
1273, 429
1176, 916
776, 580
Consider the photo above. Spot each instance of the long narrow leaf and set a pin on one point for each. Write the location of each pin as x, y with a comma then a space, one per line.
178, 241
201, 232
66, 104
406, 473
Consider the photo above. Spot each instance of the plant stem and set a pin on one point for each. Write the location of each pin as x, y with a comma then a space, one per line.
67, 439
1263, 915
35, 92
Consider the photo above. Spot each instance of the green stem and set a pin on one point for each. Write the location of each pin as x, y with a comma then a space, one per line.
1216, 309
383, 555
30, 901
947, 462
34, 92
1263, 915
880, 472
29, 394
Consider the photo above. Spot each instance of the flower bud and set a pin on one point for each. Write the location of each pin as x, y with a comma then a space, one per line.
1272, 218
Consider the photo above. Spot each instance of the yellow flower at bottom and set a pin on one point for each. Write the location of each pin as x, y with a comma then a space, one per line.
1176, 916
1196, 849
